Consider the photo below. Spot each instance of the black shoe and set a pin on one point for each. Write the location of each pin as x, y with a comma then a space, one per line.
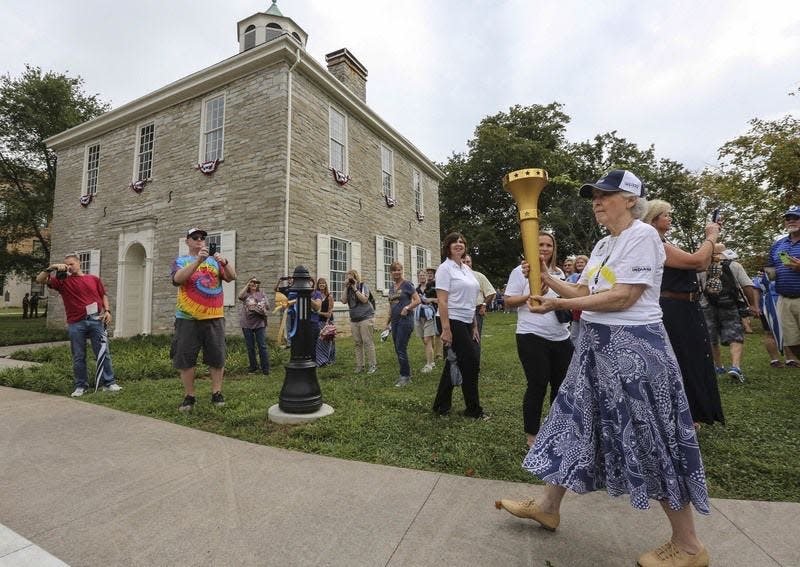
187, 404
217, 399
252, 370
265, 372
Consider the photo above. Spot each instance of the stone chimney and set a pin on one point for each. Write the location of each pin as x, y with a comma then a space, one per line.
350, 72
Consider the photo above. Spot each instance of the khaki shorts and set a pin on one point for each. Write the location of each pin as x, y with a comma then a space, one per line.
191, 335
425, 328
789, 316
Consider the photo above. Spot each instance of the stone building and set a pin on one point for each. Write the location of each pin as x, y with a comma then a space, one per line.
278, 157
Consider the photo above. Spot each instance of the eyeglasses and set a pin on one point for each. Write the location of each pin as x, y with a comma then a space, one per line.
197, 237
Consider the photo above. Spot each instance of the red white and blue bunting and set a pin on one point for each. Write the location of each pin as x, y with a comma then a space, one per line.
420, 216
138, 186
340, 177
208, 167
86, 199
390, 201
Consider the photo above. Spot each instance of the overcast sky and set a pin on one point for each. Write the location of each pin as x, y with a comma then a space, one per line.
686, 76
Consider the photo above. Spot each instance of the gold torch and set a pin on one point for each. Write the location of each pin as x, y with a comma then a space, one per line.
525, 185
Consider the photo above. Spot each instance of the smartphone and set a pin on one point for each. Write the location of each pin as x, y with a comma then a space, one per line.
715, 215
212, 249
784, 258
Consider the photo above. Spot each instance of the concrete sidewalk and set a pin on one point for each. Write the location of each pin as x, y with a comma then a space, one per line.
95, 486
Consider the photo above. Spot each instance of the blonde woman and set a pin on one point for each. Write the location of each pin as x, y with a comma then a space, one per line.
362, 320
403, 300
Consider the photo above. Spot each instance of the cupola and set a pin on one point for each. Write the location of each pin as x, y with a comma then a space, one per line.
264, 27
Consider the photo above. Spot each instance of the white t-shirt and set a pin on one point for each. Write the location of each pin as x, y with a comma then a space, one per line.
636, 256
462, 288
543, 325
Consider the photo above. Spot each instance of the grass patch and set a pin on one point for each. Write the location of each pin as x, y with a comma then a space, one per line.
14, 330
752, 457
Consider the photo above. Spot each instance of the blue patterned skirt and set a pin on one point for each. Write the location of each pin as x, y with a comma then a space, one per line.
326, 350
621, 421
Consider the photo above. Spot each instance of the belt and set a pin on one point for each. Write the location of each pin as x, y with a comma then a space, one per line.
681, 295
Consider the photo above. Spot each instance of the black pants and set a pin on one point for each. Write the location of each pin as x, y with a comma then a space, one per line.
544, 362
468, 356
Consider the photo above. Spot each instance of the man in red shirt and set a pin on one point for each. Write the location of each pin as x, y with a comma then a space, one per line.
88, 313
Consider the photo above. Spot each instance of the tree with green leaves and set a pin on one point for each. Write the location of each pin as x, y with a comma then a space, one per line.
33, 107
472, 199
471, 196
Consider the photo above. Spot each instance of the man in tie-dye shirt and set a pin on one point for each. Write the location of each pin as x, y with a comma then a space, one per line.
199, 316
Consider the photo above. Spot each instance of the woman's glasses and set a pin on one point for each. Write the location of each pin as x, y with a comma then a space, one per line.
197, 237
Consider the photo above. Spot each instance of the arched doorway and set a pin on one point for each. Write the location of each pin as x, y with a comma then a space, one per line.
133, 292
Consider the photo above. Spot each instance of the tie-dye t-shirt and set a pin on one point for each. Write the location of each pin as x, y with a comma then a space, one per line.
200, 297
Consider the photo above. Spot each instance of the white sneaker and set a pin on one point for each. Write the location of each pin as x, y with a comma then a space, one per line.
427, 368
372, 370
112, 388
78, 392
403, 381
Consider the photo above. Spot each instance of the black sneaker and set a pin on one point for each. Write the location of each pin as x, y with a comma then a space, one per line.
217, 399
188, 404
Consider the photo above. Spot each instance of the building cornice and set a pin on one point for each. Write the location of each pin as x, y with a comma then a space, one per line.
282, 49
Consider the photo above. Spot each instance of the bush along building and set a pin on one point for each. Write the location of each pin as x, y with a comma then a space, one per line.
277, 156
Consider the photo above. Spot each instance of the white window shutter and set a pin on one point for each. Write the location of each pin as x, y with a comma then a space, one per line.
94, 262
228, 250
428, 259
183, 249
401, 257
355, 256
380, 280
413, 268
324, 257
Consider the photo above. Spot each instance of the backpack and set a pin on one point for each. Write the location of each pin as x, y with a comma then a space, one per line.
371, 299
725, 293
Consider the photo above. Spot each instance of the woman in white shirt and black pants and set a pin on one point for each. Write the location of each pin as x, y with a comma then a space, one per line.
456, 290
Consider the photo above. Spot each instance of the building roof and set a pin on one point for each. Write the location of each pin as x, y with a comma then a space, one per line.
273, 10
211, 78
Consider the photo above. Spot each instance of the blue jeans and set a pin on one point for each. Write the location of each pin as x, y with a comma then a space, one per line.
401, 332
253, 337
78, 333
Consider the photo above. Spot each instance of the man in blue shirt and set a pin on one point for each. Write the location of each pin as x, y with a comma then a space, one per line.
783, 267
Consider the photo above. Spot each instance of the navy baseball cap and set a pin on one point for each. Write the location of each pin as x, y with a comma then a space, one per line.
794, 210
615, 181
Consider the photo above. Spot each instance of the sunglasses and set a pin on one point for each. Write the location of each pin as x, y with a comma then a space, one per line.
197, 237
255, 282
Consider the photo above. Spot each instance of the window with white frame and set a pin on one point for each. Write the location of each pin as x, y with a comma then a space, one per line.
420, 259
144, 154
335, 256
387, 171
92, 169
387, 250
416, 180
338, 139
338, 266
389, 256
226, 245
90, 261
85, 258
213, 128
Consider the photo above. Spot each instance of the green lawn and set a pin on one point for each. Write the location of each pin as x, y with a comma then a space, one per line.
14, 330
753, 457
